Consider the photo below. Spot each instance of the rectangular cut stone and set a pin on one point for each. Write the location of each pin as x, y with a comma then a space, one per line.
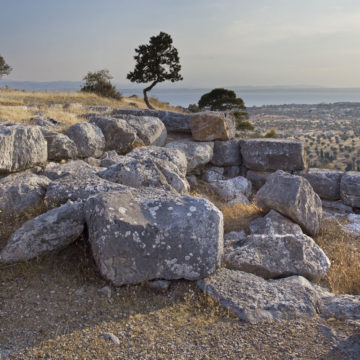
350, 188
273, 154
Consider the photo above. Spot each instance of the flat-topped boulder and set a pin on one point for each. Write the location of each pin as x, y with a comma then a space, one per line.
256, 300
325, 182
21, 198
89, 139
350, 188
173, 121
210, 126
273, 154
197, 154
21, 147
293, 197
145, 235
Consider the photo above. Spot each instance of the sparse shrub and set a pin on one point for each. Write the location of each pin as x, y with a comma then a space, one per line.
5, 69
270, 134
99, 83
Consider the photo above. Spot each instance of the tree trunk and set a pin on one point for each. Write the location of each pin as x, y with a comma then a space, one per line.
145, 94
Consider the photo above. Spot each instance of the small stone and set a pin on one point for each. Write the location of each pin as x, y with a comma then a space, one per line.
106, 290
112, 337
159, 285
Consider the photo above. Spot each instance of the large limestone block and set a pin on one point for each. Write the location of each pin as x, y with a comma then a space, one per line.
227, 153
272, 154
146, 172
274, 256
119, 135
151, 130
51, 231
209, 126
144, 235
21, 147
256, 300
325, 182
60, 146
89, 139
197, 154
172, 156
350, 188
173, 121
293, 197
21, 198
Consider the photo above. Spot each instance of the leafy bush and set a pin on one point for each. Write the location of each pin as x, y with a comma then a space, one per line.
270, 134
99, 83
220, 100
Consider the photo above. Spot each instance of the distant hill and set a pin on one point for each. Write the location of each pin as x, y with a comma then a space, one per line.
42, 86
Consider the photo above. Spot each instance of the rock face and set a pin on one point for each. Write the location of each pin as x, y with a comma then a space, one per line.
119, 135
151, 130
147, 172
21, 198
51, 231
272, 154
274, 256
325, 182
89, 139
293, 197
59, 146
227, 153
233, 189
21, 147
254, 299
139, 235
350, 188
209, 126
173, 121
197, 153
274, 224
344, 307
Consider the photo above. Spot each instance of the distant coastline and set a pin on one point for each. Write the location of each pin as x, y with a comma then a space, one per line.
252, 95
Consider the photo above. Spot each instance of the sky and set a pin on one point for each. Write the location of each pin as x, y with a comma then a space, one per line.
220, 43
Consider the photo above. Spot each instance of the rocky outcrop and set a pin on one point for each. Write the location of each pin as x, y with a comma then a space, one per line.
173, 121
273, 154
274, 256
51, 231
139, 235
209, 126
255, 300
21, 147
60, 146
149, 129
236, 189
21, 198
197, 154
146, 172
119, 135
325, 182
89, 139
293, 197
350, 188
227, 153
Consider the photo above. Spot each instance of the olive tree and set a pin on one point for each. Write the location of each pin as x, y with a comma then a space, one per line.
5, 69
156, 62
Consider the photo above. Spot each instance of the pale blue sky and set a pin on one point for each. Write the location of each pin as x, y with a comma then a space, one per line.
220, 43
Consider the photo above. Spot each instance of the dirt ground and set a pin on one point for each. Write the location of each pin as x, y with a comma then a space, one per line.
51, 308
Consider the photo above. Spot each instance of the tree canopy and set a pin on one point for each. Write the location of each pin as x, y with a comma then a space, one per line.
156, 62
99, 83
5, 69
220, 100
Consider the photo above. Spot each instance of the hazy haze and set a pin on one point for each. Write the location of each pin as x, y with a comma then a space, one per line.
221, 43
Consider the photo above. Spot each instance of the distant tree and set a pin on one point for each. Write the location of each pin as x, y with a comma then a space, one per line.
240, 123
156, 62
99, 83
222, 99
5, 69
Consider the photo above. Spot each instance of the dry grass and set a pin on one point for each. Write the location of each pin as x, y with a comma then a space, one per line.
13, 105
342, 250
236, 216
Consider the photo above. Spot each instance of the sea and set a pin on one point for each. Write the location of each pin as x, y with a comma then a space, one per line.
177, 96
